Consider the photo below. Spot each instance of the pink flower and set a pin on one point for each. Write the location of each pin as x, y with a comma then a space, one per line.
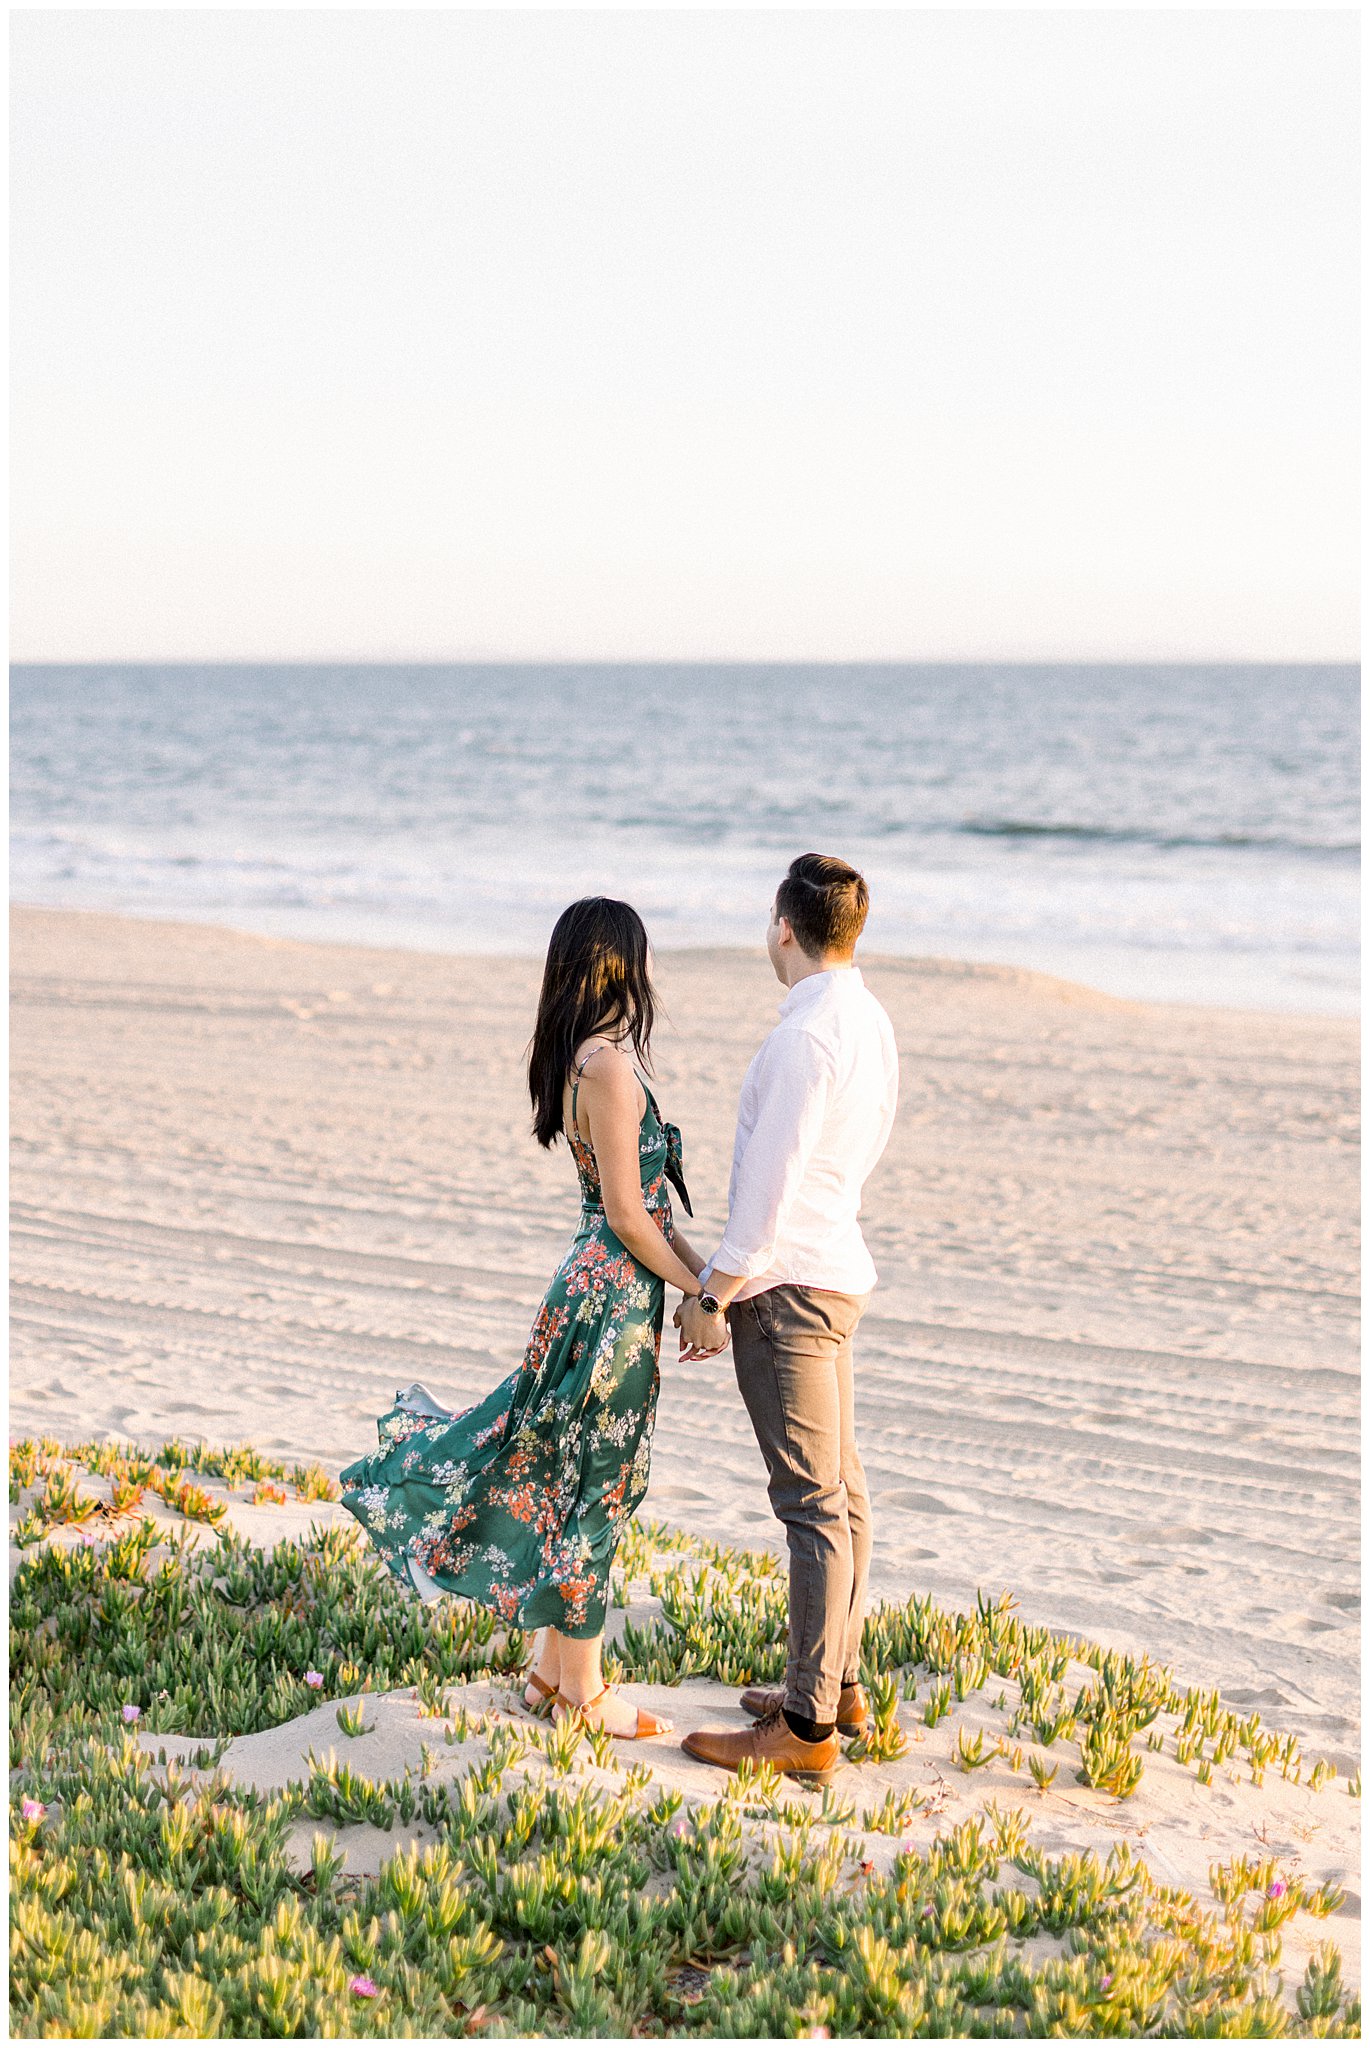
33, 1809
363, 1987
1276, 1890
129, 1711
314, 1678
680, 1828
818, 2034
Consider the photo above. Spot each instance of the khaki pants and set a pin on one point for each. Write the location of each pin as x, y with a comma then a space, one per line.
792, 1352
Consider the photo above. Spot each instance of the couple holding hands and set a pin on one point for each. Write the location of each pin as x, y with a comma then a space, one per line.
518, 1503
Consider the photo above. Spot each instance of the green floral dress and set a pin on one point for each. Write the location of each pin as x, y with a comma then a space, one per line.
518, 1502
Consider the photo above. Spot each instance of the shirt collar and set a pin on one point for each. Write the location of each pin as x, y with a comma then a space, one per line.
814, 985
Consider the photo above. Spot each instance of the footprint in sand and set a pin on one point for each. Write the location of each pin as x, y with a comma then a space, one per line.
919, 1503
1253, 1696
687, 1496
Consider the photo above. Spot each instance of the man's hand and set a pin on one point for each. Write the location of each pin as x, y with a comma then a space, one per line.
701, 1336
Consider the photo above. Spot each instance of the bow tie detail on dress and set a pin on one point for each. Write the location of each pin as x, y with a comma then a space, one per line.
675, 1165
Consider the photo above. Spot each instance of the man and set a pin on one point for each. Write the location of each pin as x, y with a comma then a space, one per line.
793, 1275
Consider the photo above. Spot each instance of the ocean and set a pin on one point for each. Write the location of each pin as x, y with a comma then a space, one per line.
1189, 833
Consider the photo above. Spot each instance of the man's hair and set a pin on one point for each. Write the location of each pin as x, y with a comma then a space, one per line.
826, 903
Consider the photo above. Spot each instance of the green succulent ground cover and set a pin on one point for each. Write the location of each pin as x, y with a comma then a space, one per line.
149, 1901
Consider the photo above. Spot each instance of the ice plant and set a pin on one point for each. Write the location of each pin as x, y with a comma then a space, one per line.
130, 1711
830, 1957
33, 1809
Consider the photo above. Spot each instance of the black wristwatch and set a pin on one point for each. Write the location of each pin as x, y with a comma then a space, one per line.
710, 1304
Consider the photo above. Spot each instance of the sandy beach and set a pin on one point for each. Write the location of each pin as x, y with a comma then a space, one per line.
1111, 1364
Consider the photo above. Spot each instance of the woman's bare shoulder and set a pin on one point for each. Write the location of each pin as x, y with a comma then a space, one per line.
601, 1061
606, 1071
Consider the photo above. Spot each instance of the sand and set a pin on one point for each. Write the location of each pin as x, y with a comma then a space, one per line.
1111, 1363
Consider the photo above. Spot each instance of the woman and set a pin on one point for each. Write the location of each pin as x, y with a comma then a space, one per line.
518, 1503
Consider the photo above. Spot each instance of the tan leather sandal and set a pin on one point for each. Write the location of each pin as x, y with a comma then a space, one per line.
540, 1706
647, 1723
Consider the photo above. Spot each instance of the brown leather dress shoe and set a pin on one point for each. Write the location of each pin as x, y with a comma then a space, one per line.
772, 1741
854, 1715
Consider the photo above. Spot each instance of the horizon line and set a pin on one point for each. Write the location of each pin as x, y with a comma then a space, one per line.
684, 661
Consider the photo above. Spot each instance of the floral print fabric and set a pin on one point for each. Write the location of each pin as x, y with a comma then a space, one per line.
518, 1502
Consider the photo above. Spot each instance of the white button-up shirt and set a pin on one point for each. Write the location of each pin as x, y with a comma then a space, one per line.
816, 1112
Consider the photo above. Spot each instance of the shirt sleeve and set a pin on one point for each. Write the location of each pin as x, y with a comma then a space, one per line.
795, 1089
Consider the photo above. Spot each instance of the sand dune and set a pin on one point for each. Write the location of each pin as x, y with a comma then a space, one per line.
1112, 1363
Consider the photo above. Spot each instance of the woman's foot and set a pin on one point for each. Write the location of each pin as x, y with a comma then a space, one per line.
543, 1676
537, 1694
608, 1709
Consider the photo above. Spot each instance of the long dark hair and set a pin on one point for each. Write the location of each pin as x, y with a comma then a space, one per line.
595, 979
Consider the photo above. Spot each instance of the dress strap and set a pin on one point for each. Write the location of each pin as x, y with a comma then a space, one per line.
575, 1085
587, 1059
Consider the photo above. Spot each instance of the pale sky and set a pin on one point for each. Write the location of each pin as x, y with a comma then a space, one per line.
350, 334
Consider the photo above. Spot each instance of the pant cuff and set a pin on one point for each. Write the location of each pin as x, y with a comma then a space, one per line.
808, 1706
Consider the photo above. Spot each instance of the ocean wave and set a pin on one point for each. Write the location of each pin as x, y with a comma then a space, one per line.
711, 892
1140, 835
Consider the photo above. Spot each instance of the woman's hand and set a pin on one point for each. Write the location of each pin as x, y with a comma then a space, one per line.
701, 1336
